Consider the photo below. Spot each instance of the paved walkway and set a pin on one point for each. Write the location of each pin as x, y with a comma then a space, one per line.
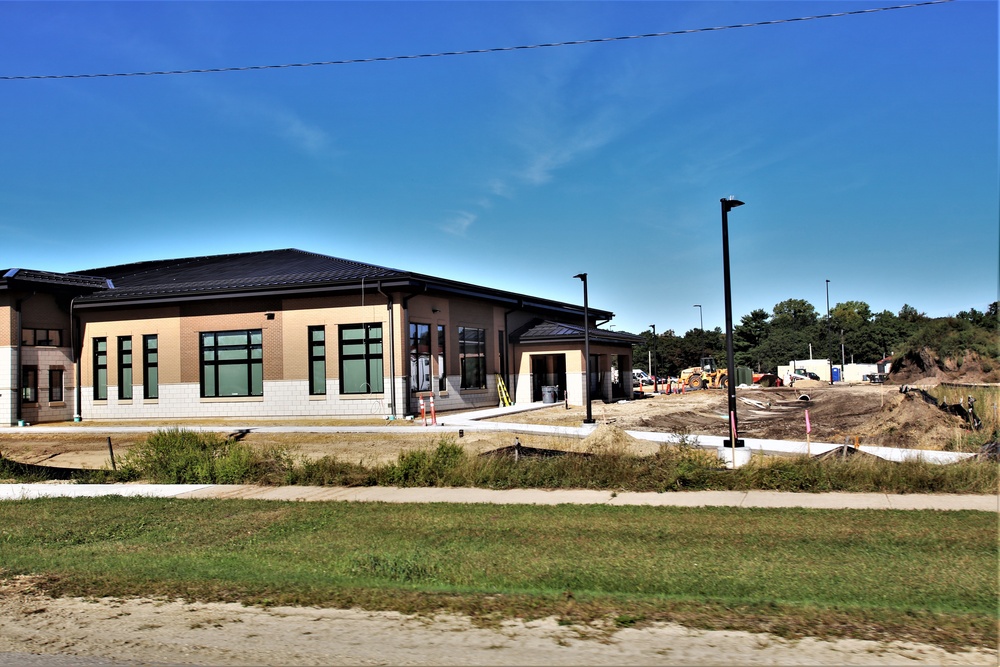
452, 423
386, 494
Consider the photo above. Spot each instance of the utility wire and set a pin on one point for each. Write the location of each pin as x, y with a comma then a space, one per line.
500, 49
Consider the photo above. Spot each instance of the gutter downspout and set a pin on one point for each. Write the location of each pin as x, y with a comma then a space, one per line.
507, 353
19, 370
392, 347
77, 396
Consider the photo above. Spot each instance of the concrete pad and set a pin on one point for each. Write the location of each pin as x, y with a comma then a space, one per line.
33, 491
817, 500
943, 501
681, 499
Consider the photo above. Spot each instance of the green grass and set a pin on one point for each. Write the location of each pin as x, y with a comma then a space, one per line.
926, 576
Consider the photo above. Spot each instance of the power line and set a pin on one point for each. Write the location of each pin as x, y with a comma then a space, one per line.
500, 49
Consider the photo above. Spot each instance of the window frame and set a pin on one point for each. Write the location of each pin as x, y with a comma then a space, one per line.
472, 357
253, 361
100, 363
317, 385
29, 384
368, 340
420, 337
442, 332
126, 373
150, 367
57, 392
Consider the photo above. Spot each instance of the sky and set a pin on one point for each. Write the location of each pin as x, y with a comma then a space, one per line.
864, 146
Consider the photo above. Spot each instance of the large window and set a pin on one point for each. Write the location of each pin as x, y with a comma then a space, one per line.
420, 357
32, 337
125, 367
29, 384
361, 359
232, 363
472, 357
55, 385
150, 367
317, 361
442, 377
100, 369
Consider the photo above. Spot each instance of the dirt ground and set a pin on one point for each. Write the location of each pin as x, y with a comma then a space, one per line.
875, 414
145, 631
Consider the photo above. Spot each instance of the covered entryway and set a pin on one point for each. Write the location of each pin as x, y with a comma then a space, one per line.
547, 370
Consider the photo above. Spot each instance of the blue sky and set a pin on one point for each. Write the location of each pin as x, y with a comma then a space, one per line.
865, 147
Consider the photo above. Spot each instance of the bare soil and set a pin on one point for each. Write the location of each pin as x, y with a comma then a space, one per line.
148, 631
875, 414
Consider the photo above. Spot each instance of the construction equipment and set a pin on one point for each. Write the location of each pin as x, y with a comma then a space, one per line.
705, 376
502, 391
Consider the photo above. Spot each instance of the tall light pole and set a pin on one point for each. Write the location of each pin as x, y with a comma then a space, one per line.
586, 350
829, 334
652, 358
734, 441
701, 321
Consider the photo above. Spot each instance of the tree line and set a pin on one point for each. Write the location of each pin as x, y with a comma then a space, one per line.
794, 330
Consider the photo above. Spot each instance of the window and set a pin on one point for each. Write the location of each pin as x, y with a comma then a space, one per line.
55, 385
361, 359
29, 384
125, 367
232, 363
442, 377
472, 357
100, 369
420, 357
150, 367
51, 337
317, 361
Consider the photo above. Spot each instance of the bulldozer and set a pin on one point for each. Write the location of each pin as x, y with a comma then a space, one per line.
705, 376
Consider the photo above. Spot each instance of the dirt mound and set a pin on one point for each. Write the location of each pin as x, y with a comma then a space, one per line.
912, 420
608, 439
925, 367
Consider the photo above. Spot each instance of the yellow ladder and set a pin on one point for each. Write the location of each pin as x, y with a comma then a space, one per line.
502, 390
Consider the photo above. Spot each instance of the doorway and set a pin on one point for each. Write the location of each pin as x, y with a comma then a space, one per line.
547, 370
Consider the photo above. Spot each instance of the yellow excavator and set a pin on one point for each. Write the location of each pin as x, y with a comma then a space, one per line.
705, 376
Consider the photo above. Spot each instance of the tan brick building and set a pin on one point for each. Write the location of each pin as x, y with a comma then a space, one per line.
285, 333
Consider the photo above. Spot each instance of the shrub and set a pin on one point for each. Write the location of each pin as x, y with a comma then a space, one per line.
180, 456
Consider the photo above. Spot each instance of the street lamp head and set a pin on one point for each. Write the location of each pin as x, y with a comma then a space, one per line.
581, 276
731, 202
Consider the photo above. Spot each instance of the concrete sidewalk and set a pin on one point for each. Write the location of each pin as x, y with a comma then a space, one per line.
946, 502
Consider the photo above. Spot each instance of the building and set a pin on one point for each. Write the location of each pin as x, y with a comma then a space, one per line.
284, 333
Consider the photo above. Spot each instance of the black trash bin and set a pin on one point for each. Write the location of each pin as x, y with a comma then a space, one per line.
550, 394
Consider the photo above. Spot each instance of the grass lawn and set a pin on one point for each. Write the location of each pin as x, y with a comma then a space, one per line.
925, 576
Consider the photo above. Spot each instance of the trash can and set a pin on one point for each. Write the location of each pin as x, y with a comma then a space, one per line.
550, 394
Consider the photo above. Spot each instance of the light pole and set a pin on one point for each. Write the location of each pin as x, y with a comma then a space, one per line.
701, 321
734, 441
586, 350
829, 334
652, 358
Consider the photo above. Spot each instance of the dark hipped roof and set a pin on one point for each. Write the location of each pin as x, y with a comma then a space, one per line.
545, 331
29, 278
288, 271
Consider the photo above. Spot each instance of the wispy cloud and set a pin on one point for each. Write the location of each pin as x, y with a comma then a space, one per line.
458, 223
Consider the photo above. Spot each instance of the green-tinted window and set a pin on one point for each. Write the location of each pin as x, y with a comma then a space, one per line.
125, 367
317, 361
100, 369
361, 359
232, 363
150, 367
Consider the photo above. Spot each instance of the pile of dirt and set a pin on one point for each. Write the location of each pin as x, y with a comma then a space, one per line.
608, 439
912, 420
926, 367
